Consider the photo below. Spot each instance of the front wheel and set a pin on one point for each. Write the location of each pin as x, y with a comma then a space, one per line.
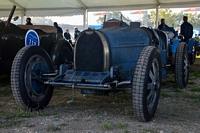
27, 78
146, 84
182, 65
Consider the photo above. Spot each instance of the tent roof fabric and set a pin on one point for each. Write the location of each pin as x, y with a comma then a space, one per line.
76, 7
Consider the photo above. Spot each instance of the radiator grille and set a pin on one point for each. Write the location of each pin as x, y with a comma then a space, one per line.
89, 53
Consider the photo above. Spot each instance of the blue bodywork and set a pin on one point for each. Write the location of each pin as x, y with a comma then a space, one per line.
174, 45
174, 42
191, 44
107, 58
197, 45
96, 27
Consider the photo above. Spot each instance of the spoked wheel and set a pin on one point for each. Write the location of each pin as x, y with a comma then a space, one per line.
192, 56
146, 84
29, 68
182, 65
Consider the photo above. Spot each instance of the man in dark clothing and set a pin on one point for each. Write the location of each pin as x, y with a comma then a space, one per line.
76, 32
186, 29
59, 30
67, 36
162, 26
28, 21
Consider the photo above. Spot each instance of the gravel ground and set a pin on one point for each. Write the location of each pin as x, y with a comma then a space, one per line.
178, 111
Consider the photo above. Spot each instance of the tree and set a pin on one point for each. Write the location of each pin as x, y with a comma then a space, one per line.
194, 19
171, 19
146, 20
175, 19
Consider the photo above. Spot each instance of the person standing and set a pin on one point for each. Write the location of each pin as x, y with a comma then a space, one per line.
59, 30
76, 33
162, 26
67, 36
28, 21
186, 29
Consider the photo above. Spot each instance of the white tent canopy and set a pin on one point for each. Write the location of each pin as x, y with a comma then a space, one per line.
77, 7
74, 7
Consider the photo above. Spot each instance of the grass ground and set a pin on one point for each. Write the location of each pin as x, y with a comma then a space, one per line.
178, 110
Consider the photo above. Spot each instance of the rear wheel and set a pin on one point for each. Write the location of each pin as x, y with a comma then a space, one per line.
146, 84
182, 65
27, 78
65, 55
192, 56
62, 53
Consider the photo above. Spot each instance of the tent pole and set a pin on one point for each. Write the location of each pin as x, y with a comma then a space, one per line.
85, 19
156, 24
22, 16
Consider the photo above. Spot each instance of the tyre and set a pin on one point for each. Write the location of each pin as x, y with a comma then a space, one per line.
182, 65
173, 59
62, 53
146, 84
65, 55
27, 82
173, 62
192, 56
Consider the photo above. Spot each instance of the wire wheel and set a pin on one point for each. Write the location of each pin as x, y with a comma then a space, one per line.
146, 84
182, 65
27, 80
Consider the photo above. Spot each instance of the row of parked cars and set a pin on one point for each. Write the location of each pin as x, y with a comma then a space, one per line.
115, 58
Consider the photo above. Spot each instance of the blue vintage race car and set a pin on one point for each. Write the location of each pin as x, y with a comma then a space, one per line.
115, 58
196, 46
197, 43
173, 42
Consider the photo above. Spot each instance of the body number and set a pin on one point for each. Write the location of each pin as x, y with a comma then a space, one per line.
32, 38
